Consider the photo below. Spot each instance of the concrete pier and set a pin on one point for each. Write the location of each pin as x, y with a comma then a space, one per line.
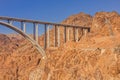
58, 36
23, 27
45, 36
35, 32
76, 34
85, 32
10, 22
55, 36
65, 34
48, 36
68, 34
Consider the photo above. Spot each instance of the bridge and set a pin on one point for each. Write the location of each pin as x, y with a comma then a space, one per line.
9, 23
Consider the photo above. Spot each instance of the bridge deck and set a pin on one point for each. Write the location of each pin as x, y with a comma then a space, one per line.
40, 22
57, 32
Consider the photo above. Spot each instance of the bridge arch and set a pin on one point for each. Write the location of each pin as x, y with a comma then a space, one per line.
26, 36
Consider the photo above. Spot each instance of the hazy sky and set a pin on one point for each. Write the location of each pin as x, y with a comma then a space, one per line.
54, 10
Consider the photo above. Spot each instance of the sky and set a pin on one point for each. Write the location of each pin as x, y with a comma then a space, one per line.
54, 10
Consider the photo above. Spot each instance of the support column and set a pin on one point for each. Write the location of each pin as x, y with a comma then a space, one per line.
58, 36
23, 27
85, 32
88, 29
10, 22
68, 33
82, 31
45, 37
76, 34
55, 36
48, 36
35, 32
65, 34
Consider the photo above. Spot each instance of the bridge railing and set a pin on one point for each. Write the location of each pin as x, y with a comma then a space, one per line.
47, 29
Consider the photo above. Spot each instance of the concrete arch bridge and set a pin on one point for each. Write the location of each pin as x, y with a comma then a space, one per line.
9, 23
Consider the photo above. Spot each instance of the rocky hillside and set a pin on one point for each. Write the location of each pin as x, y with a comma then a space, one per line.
7, 44
17, 58
95, 57
103, 23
